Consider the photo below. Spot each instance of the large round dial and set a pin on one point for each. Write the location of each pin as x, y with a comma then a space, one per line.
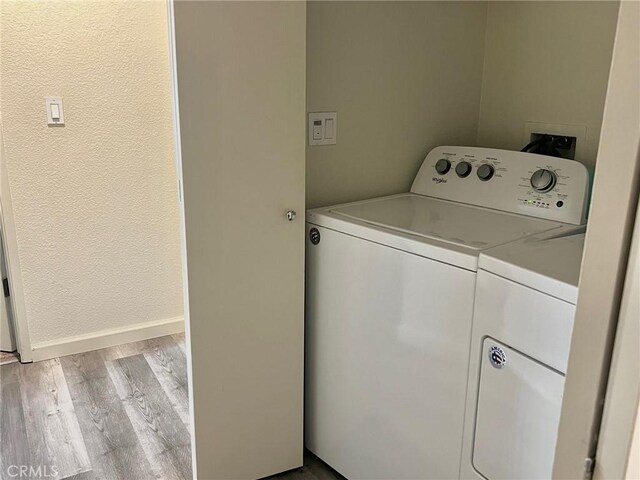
463, 169
543, 180
485, 172
442, 166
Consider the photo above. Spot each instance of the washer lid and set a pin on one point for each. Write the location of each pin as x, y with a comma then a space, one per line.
459, 224
549, 265
441, 230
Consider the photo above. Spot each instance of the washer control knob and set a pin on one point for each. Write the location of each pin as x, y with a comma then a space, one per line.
463, 169
485, 172
442, 166
543, 180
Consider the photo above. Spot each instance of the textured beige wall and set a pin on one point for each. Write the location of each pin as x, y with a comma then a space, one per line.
546, 62
94, 201
403, 77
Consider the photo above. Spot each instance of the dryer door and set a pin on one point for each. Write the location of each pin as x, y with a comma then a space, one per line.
518, 412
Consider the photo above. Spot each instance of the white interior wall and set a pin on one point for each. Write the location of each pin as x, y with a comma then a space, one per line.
407, 76
94, 202
404, 77
547, 62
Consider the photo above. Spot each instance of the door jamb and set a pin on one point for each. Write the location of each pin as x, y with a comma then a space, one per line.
604, 264
615, 441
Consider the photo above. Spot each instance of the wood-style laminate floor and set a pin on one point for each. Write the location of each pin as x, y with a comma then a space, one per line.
117, 413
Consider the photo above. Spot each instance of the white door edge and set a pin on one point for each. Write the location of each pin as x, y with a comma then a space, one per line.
9, 240
7, 337
181, 226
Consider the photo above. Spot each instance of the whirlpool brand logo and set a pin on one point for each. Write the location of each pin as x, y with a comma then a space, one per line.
439, 180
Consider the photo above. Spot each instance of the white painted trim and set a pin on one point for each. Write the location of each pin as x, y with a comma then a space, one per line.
106, 338
633, 466
14, 274
615, 440
613, 209
183, 231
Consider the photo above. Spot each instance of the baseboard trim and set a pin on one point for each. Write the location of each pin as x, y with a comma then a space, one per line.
106, 338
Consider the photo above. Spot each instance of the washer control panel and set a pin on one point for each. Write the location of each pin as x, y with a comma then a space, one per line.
524, 183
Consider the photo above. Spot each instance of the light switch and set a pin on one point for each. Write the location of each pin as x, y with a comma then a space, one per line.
55, 112
323, 128
328, 128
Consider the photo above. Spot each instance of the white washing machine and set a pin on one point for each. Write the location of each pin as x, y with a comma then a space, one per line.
522, 323
390, 290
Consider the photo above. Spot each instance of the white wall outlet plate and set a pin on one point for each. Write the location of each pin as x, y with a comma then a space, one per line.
55, 112
323, 128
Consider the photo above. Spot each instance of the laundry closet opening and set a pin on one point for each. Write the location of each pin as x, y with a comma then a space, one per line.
444, 264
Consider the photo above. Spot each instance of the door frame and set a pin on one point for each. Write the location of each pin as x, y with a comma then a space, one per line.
623, 388
606, 256
175, 105
12, 264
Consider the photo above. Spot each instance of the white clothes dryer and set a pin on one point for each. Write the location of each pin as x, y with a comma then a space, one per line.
526, 294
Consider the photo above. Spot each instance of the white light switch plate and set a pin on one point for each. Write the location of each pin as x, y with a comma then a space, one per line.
323, 128
55, 112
